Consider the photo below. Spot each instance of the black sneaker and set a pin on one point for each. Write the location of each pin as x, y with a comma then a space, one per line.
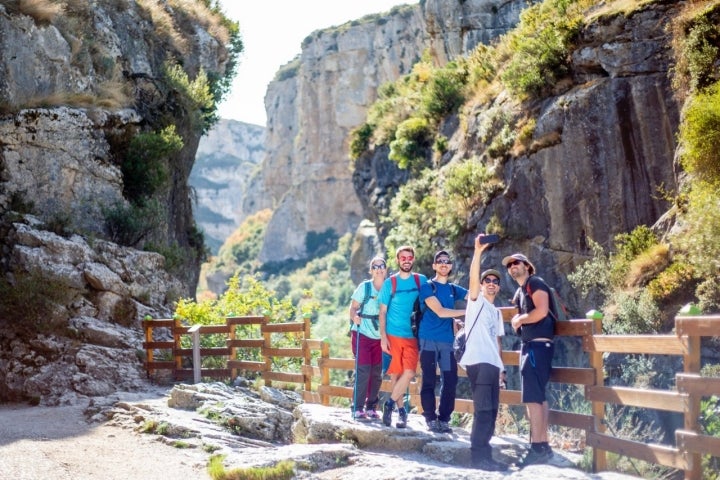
534, 457
387, 413
432, 425
444, 427
489, 465
402, 418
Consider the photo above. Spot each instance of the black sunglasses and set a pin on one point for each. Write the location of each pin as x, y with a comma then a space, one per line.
491, 280
443, 261
378, 266
513, 263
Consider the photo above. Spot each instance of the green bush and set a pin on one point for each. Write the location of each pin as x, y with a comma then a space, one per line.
130, 224
443, 93
360, 139
144, 168
413, 140
700, 136
540, 46
195, 97
700, 51
470, 184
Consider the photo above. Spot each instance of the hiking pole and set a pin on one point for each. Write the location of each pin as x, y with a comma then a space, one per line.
355, 380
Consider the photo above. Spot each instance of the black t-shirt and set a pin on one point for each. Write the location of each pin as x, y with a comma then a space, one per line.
545, 328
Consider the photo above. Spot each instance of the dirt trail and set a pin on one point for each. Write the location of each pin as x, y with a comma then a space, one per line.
57, 443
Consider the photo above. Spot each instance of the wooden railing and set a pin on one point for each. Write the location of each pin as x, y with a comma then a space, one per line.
317, 366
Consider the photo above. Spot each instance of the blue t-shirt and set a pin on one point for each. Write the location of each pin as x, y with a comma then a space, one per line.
397, 322
369, 312
433, 327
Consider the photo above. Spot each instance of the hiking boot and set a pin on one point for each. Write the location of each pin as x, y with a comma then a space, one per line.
402, 418
387, 413
534, 457
372, 414
432, 425
360, 415
444, 427
489, 465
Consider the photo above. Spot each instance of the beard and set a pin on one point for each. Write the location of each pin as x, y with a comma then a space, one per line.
404, 267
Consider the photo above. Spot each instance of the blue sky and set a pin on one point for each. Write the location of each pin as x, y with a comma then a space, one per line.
272, 33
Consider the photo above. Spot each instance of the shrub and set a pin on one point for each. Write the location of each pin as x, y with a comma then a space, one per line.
194, 96
131, 224
144, 168
470, 184
700, 135
443, 93
540, 46
413, 138
360, 140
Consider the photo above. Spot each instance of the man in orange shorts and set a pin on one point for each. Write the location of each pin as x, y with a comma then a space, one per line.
397, 297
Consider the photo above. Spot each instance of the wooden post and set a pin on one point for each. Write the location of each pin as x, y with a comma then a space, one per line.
176, 347
197, 362
691, 364
307, 357
233, 350
267, 345
325, 372
150, 353
599, 460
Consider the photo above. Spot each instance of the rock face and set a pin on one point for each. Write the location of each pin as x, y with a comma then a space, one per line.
601, 148
78, 82
226, 158
317, 100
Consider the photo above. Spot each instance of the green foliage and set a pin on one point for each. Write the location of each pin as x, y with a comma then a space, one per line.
131, 224
629, 246
699, 241
145, 169
195, 97
360, 140
283, 470
700, 50
443, 93
470, 184
540, 46
700, 136
636, 313
176, 257
670, 281
413, 139
710, 424
592, 278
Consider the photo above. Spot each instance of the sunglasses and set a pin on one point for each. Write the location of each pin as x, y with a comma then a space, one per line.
513, 263
491, 280
444, 261
406, 258
380, 266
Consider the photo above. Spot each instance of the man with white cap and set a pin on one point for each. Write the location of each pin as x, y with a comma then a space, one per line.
536, 327
483, 358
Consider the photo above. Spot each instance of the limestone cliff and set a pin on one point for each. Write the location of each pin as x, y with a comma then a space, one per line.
319, 98
91, 94
226, 158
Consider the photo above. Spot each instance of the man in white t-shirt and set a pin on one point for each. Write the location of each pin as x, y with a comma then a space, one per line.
482, 358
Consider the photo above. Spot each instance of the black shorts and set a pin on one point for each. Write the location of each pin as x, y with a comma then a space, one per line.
535, 366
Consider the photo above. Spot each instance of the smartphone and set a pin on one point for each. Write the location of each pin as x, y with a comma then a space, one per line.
489, 238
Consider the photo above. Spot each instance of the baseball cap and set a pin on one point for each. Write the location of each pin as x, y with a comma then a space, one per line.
440, 253
490, 271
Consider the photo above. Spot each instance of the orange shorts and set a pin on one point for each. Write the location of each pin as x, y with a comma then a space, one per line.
404, 353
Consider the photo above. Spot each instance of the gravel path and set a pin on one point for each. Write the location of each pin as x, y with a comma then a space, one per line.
57, 443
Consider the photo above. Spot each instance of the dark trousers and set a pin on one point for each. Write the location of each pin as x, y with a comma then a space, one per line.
367, 386
448, 385
485, 381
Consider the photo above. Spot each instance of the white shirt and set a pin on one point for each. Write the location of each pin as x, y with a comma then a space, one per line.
482, 343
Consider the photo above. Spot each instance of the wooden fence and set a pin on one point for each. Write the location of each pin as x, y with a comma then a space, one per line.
317, 364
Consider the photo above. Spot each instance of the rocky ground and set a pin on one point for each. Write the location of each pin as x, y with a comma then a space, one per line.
171, 434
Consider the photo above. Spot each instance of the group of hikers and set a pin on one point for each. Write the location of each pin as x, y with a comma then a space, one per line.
384, 343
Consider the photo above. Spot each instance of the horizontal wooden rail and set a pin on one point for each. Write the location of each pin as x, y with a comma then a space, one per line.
284, 377
246, 365
204, 329
283, 327
649, 344
574, 376
697, 443
159, 323
205, 351
245, 320
283, 352
246, 343
657, 399
572, 420
159, 345
660, 454
705, 326
698, 385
